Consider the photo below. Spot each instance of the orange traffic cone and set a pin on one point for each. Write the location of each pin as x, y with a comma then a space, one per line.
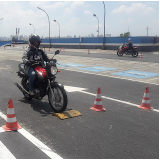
140, 56
11, 122
98, 102
88, 51
146, 100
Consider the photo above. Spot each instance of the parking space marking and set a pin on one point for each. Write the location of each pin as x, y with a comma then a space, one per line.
136, 74
68, 65
97, 69
5, 153
35, 141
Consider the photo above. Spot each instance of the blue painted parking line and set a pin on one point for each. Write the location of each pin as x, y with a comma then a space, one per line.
69, 65
136, 74
97, 69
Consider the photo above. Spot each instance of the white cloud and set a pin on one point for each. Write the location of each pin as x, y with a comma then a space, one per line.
74, 5
49, 4
87, 12
134, 8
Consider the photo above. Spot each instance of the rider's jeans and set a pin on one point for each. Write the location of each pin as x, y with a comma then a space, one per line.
32, 77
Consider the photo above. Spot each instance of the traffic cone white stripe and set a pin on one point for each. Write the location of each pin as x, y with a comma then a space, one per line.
98, 102
98, 96
146, 95
145, 101
10, 111
10, 120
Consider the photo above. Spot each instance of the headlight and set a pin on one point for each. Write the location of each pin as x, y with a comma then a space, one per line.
54, 70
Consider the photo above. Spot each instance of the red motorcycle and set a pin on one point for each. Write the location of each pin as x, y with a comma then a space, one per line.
45, 84
124, 50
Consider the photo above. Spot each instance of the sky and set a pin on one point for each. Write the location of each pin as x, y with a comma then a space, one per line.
76, 18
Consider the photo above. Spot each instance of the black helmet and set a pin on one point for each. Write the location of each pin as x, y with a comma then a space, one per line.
32, 39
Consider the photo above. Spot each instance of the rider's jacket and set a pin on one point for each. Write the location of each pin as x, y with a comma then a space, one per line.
130, 45
32, 54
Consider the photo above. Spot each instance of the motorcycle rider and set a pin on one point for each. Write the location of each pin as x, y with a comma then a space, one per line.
130, 45
30, 56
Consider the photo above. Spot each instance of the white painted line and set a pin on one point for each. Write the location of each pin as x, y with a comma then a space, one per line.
39, 144
1, 130
117, 100
5, 153
35, 141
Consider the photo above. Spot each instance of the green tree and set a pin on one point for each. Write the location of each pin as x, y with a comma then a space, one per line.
127, 34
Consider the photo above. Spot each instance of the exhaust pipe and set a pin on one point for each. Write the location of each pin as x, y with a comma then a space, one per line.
20, 88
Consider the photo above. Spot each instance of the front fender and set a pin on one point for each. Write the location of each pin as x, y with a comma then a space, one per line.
54, 84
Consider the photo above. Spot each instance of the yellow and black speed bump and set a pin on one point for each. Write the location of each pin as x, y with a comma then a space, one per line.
67, 114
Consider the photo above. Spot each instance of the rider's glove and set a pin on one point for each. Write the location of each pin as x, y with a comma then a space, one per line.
28, 63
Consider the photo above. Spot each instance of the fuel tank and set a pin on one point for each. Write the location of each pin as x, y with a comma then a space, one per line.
41, 72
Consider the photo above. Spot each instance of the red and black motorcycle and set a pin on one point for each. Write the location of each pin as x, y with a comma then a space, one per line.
124, 50
45, 84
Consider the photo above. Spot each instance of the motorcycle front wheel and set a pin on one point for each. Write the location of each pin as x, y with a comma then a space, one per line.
119, 53
135, 54
59, 100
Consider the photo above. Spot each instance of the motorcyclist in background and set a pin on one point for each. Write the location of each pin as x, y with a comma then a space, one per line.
30, 56
130, 45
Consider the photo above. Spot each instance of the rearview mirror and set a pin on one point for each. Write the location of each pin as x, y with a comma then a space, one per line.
57, 52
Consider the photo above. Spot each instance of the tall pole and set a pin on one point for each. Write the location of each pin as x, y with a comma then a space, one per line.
33, 27
104, 28
59, 27
49, 24
98, 23
148, 29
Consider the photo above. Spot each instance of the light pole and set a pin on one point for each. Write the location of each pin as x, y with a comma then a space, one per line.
148, 29
104, 27
59, 27
49, 24
98, 23
33, 26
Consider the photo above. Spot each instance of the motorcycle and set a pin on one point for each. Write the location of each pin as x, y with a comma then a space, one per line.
123, 50
45, 84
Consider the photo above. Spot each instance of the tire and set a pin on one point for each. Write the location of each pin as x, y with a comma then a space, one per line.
25, 85
135, 54
119, 53
59, 102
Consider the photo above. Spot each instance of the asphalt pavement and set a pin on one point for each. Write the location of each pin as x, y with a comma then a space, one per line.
123, 131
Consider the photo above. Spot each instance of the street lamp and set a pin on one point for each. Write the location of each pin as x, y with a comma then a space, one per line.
98, 23
33, 26
59, 27
148, 29
104, 27
49, 25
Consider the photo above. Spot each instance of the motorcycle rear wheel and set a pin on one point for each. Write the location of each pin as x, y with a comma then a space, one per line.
135, 54
119, 53
59, 101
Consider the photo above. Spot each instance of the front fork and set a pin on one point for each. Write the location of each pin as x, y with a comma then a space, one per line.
49, 83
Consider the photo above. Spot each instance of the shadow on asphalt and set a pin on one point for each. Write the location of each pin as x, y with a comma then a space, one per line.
42, 107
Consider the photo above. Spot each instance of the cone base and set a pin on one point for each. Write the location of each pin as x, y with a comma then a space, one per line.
150, 108
11, 129
96, 109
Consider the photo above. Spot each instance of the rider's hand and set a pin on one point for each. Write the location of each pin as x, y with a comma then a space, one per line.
32, 61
